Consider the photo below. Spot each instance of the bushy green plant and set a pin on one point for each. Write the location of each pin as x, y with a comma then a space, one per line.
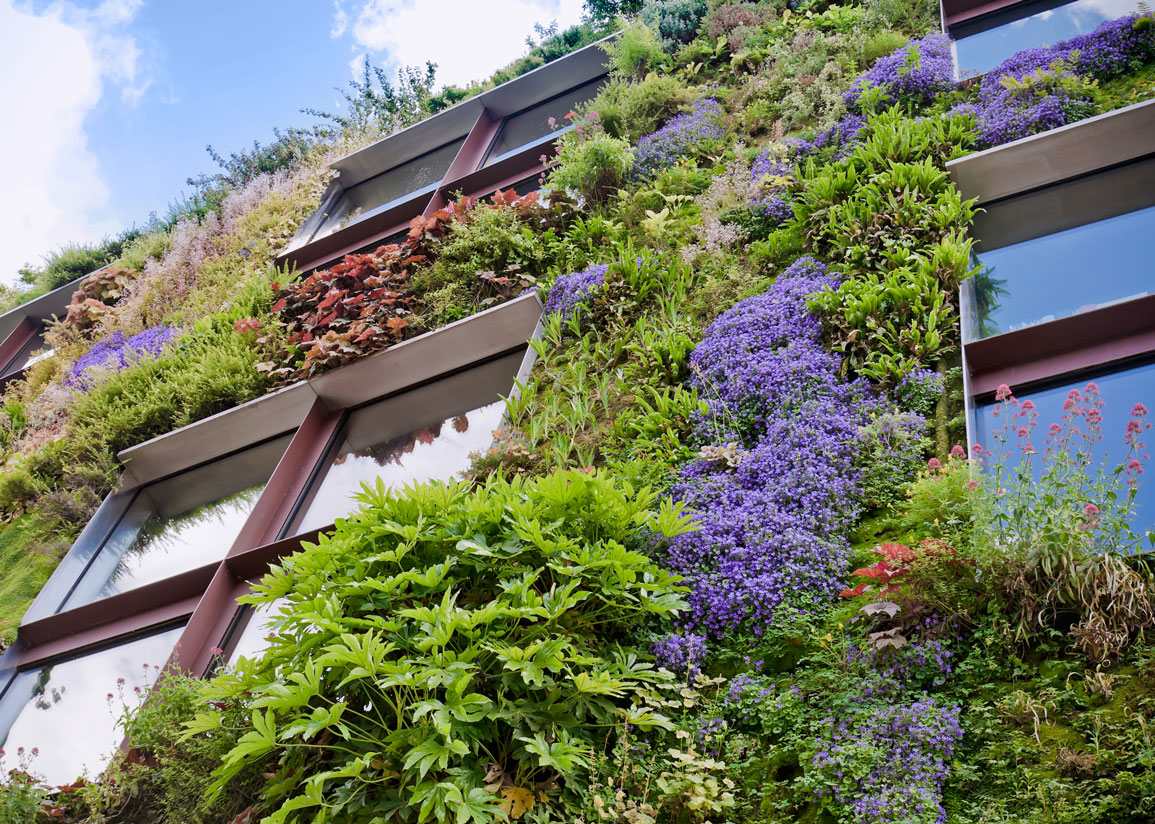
452, 653
209, 370
676, 21
635, 52
591, 163
630, 110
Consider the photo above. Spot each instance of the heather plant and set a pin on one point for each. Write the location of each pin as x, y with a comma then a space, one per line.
684, 136
476, 661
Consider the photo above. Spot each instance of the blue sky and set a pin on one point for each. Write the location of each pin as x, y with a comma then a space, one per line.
110, 103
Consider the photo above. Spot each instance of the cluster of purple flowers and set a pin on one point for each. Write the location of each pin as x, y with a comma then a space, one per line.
843, 136
1058, 93
772, 529
682, 652
569, 290
914, 73
889, 671
887, 762
118, 352
1115, 48
774, 203
682, 135
920, 390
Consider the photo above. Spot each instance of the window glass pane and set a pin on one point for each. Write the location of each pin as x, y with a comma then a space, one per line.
32, 352
255, 636
424, 434
66, 712
533, 124
982, 51
180, 523
439, 450
1120, 391
403, 180
1064, 273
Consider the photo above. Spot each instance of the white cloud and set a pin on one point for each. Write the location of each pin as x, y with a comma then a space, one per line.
340, 20
58, 62
467, 39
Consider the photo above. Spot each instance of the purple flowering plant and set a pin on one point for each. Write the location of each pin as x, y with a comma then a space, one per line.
683, 136
773, 527
913, 74
118, 352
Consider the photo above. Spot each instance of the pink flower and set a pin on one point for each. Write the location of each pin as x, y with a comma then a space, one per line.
933, 465
1091, 510
1054, 430
957, 451
1074, 395
1135, 467
977, 449
1094, 416
35, 751
1003, 392
217, 651
120, 680
1022, 433
1028, 405
1138, 410
972, 484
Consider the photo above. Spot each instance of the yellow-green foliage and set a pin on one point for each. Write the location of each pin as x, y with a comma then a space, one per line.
26, 568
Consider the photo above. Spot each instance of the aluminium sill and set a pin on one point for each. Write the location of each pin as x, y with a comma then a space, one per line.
461, 344
1070, 151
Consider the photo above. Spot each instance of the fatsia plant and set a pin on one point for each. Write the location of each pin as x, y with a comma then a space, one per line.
454, 654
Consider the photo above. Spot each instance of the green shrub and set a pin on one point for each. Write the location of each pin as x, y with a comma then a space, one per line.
591, 163
447, 652
676, 21
630, 110
635, 52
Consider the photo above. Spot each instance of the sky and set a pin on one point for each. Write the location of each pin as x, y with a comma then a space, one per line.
108, 104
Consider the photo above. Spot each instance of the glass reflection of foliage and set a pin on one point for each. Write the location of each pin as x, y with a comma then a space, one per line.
987, 292
40, 692
161, 534
393, 450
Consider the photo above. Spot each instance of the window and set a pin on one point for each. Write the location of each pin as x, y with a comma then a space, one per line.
984, 44
1120, 391
1061, 274
421, 174
420, 435
68, 711
253, 638
29, 355
532, 125
180, 523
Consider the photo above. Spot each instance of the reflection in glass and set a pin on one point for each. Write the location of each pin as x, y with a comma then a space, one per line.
69, 711
409, 178
180, 523
438, 451
982, 51
1063, 274
254, 638
1120, 392
533, 124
